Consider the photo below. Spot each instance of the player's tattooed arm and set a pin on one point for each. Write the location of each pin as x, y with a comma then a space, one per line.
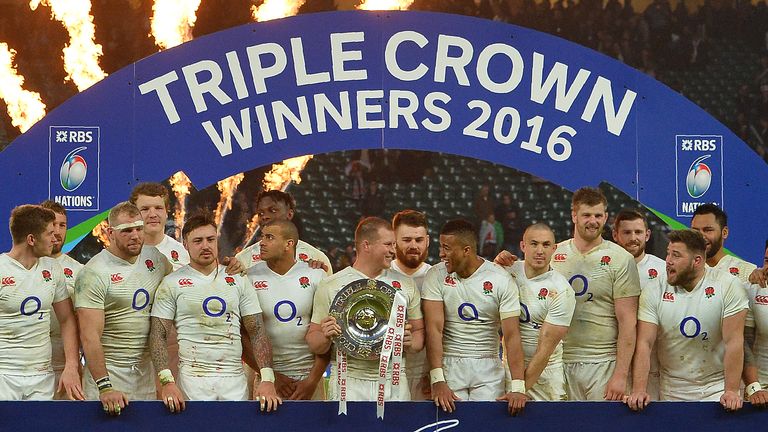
158, 342
257, 333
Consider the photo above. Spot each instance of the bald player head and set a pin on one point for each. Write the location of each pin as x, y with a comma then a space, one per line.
538, 245
278, 240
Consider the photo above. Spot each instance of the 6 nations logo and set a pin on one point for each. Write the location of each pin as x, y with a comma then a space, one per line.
699, 171
74, 166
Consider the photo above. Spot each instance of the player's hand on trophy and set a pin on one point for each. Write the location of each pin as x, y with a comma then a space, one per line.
172, 397
330, 327
515, 402
443, 396
759, 399
317, 264
284, 385
267, 396
637, 401
70, 384
505, 258
113, 401
759, 276
234, 266
407, 335
730, 400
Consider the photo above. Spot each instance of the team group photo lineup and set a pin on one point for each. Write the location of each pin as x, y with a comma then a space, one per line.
507, 313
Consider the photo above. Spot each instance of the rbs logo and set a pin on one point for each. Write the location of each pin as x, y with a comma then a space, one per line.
699, 144
74, 136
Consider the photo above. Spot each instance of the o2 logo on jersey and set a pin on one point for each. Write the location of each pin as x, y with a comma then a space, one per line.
73, 170
690, 327
699, 177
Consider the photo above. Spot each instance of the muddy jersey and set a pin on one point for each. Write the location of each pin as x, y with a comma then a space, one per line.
125, 293
304, 252
735, 267
174, 251
651, 269
207, 310
757, 317
71, 268
598, 277
546, 298
689, 337
26, 309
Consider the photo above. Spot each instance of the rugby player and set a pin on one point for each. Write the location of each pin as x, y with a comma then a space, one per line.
208, 307
32, 286
696, 319
756, 343
153, 202
466, 301
712, 222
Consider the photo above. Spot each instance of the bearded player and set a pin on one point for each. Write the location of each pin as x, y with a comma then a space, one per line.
411, 250
712, 222
630, 231
696, 320
208, 307
286, 289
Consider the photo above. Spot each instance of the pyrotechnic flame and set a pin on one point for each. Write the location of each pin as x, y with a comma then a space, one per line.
385, 4
172, 21
227, 187
274, 9
81, 55
181, 185
24, 107
100, 232
284, 173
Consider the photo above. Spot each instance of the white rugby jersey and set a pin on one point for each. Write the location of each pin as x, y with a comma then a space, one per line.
206, 310
125, 292
304, 252
736, 267
330, 286
71, 267
689, 338
417, 362
546, 298
598, 277
287, 304
474, 307
174, 251
26, 299
757, 317
417, 276
651, 269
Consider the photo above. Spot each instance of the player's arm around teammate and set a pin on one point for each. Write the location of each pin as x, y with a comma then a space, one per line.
158, 347
70, 377
265, 392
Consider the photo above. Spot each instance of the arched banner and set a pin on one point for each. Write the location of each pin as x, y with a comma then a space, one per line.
263, 92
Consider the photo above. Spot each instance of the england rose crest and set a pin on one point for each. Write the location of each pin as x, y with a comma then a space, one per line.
396, 285
543, 294
303, 257
487, 287
229, 280
709, 292
68, 272
150, 265
175, 256
652, 274
605, 260
734, 271
46, 275
304, 281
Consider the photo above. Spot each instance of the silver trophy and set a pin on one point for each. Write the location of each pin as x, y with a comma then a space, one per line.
362, 310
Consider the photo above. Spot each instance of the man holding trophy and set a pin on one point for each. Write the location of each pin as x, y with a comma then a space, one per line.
357, 308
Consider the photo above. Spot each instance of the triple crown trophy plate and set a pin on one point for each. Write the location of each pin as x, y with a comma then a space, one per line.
362, 310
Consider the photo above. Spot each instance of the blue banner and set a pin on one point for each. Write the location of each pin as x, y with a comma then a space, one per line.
399, 416
263, 92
